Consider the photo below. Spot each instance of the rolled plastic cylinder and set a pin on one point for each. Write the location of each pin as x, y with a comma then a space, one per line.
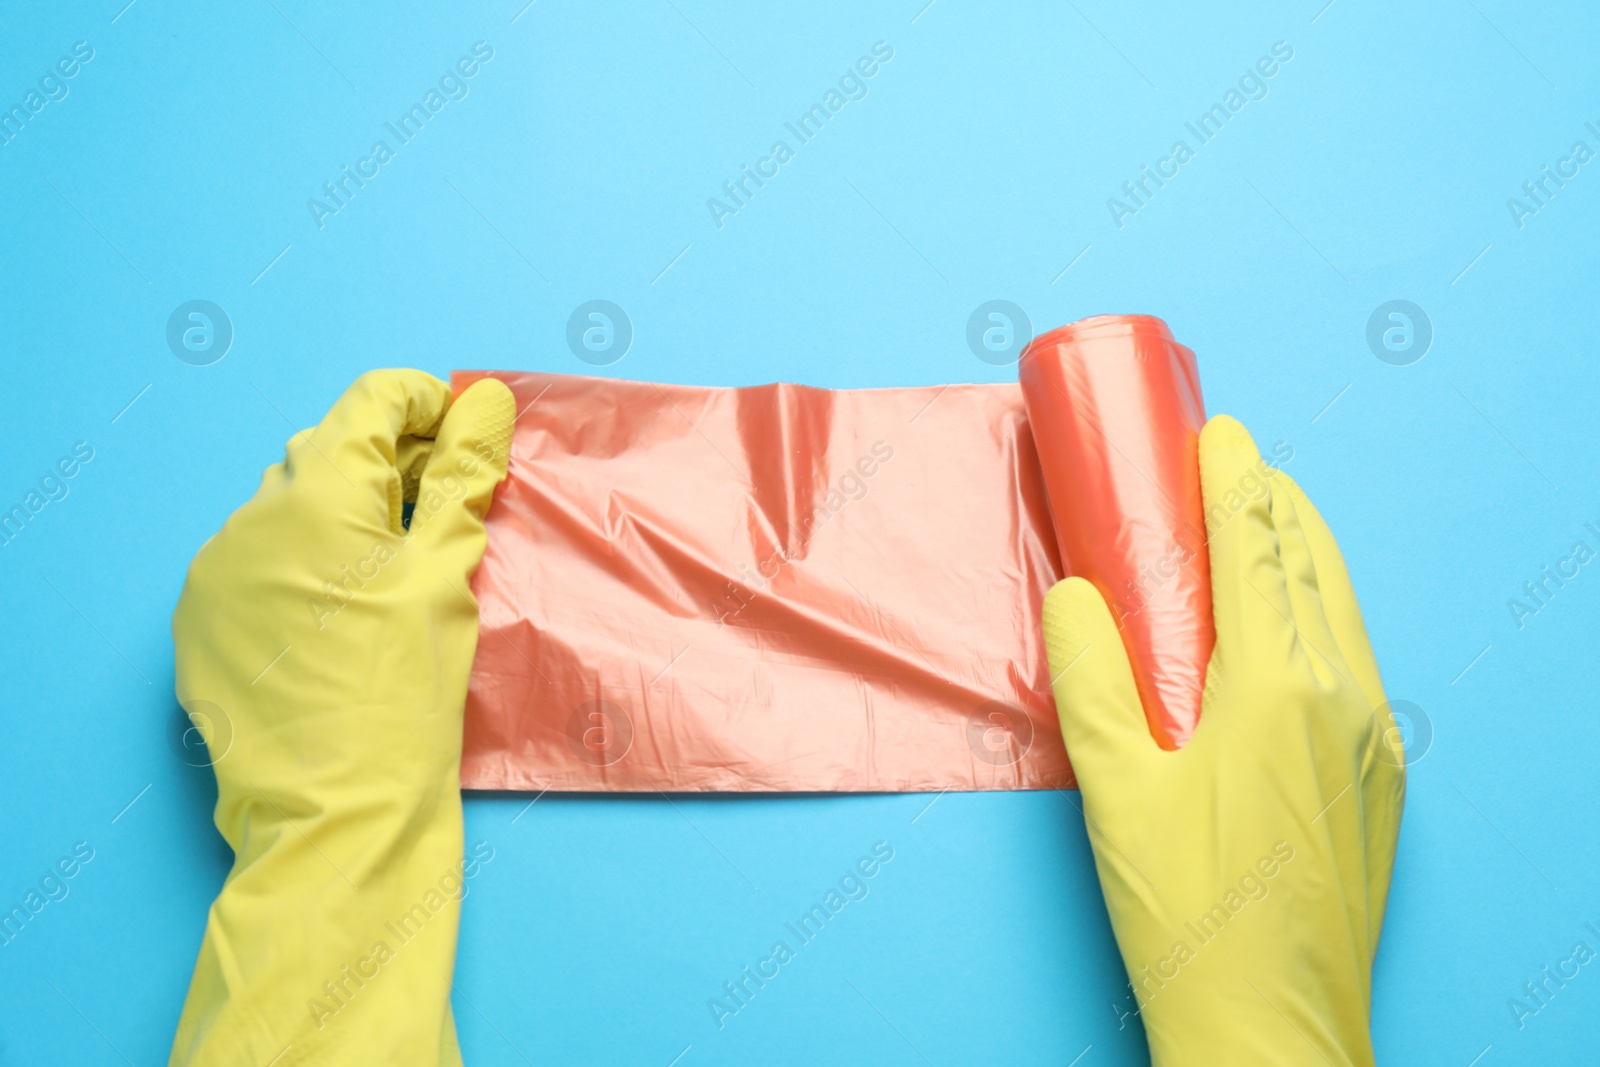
1115, 408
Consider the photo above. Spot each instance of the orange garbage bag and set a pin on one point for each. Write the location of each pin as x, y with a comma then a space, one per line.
782, 588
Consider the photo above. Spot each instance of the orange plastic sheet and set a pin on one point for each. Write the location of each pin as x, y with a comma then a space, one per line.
782, 588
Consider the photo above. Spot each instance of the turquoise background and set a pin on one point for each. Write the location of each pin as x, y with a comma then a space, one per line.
978, 167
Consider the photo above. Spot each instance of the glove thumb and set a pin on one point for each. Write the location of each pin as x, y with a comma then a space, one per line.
1102, 720
470, 454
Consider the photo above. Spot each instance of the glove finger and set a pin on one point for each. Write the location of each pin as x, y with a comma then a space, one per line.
469, 459
1382, 789
1249, 594
355, 448
1338, 595
1305, 596
1102, 720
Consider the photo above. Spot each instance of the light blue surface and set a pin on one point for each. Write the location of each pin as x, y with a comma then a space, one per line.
1377, 167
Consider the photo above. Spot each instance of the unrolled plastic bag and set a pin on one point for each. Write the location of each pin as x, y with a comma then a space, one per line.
782, 588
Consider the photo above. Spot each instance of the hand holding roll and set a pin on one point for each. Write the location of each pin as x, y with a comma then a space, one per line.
1246, 873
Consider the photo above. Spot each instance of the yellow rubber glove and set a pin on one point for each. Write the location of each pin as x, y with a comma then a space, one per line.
323, 651
1245, 873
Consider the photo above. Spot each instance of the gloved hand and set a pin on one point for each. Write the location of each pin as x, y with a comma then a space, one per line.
1245, 873
334, 647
